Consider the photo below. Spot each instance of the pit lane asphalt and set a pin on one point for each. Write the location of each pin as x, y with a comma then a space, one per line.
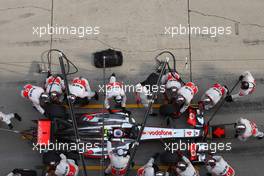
137, 30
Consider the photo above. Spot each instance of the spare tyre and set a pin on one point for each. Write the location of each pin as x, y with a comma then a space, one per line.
112, 58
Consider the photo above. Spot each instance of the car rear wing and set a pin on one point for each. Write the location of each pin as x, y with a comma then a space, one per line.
44, 132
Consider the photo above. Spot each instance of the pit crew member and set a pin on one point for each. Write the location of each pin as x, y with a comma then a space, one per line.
118, 161
217, 166
173, 83
246, 129
114, 90
247, 87
144, 91
185, 168
54, 87
80, 88
213, 95
150, 168
6, 118
36, 95
184, 96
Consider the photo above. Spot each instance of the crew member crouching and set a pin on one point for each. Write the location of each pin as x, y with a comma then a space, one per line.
213, 95
114, 90
246, 129
81, 92
173, 83
217, 166
54, 87
184, 96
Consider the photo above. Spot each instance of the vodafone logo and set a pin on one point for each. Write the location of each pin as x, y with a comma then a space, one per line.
158, 132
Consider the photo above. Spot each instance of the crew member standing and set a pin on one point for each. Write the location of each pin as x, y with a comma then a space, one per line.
36, 95
248, 86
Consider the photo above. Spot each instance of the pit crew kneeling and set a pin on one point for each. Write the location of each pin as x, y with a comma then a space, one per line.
54, 87
61, 166
114, 90
184, 97
246, 129
150, 168
217, 166
118, 161
81, 92
184, 167
173, 83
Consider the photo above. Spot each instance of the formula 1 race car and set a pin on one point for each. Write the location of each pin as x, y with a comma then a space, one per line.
96, 127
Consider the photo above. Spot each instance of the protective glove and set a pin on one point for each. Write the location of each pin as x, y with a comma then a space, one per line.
153, 114
126, 111
227, 89
229, 98
156, 155
10, 126
241, 77
96, 96
17, 117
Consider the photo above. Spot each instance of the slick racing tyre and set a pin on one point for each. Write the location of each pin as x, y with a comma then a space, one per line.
169, 158
58, 111
112, 58
167, 110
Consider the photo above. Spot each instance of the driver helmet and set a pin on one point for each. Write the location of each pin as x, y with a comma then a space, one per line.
120, 152
118, 99
44, 97
118, 133
244, 85
182, 165
240, 128
211, 162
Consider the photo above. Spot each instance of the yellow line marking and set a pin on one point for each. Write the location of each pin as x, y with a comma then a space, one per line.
129, 106
136, 167
132, 106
